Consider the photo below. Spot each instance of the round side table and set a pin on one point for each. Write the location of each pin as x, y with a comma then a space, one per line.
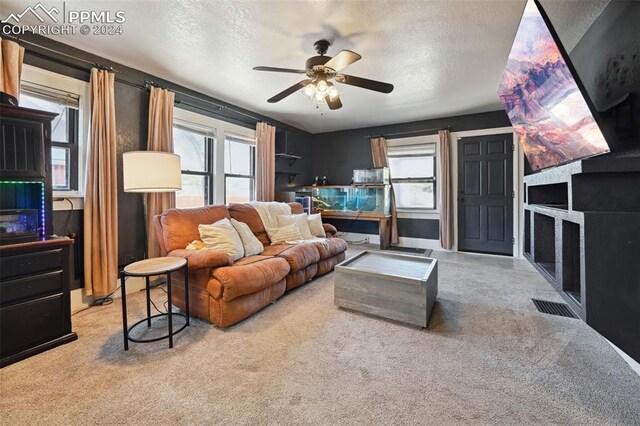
148, 268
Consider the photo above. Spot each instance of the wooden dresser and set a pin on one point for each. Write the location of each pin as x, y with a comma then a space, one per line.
35, 307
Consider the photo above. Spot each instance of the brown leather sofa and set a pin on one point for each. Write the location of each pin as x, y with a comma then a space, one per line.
224, 292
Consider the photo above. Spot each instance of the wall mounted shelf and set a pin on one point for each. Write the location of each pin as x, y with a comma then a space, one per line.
288, 156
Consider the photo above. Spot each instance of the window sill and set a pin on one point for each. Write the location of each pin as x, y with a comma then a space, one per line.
418, 214
67, 194
68, 200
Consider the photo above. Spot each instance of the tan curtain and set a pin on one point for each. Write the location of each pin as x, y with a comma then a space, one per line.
446, 194
160, 138
266, 167
11, 56
101, 195
380, 159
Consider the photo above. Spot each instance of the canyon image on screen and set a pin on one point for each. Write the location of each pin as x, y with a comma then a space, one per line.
548, 111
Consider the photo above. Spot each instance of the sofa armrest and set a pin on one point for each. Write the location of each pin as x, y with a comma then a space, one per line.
329, 229
205, 258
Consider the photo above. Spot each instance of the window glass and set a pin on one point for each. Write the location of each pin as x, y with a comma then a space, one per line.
59, 125
194, 191
409, 195
191, 147
238, 189
237, 157
60, 168
411, 167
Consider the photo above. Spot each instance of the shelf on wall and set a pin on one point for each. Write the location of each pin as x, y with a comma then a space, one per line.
288, 156
290, 176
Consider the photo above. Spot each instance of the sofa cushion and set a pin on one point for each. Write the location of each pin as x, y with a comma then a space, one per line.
180, 226
298, 256
200, 259
230, 282
331, 247
251, 259
246, 213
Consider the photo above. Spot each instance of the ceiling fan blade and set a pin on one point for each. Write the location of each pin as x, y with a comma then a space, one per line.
365, 83
333, 104
280, 96
272, 69
343, 59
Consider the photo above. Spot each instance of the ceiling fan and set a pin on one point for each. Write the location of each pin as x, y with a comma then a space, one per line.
320, 70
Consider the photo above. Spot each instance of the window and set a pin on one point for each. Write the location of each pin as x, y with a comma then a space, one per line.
195, 148
64, 130
413, 175
239, 169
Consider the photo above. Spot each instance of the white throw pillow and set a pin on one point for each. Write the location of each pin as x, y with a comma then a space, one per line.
300, 220
315, 225
252, 245
285, 233
222, 236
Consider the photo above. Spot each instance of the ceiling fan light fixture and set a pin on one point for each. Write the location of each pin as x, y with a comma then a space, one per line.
333, 93
309, 90
322, 86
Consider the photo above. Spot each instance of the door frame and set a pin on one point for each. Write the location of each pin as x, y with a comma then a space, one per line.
518, 174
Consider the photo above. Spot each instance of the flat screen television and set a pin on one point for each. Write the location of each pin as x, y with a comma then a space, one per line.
544, 99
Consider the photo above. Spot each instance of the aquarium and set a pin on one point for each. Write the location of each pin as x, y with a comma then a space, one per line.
350, 198
377, 176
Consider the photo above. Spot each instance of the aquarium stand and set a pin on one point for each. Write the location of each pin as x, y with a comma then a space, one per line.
384, 223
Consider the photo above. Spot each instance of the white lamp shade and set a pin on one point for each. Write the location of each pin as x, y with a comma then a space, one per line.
151, 171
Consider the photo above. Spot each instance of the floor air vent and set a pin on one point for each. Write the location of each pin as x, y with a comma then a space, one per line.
553, 308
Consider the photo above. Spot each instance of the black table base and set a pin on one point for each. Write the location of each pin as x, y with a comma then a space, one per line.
169, 314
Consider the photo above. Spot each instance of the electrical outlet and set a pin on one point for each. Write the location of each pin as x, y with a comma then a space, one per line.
129, 258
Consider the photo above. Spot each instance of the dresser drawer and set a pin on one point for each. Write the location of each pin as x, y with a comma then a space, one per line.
28, 287
28, 324
25, 264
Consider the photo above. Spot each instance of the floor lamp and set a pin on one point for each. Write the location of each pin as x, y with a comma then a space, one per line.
151, 171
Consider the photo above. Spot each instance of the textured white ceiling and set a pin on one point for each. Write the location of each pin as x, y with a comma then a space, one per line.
444, 57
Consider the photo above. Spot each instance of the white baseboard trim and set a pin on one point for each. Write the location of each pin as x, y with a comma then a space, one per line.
80, 300
635, 366
402, 241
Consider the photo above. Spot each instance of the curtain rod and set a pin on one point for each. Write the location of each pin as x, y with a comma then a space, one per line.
95, 64
408, 132
119, 80
148, 84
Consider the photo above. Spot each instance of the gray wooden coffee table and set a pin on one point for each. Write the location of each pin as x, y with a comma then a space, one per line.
395, 286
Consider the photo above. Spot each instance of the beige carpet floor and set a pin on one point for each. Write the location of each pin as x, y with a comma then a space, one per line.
488, 357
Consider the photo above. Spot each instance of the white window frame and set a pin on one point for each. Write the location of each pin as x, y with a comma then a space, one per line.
253, 163
76, 87
220, 128
210, 135
417, 213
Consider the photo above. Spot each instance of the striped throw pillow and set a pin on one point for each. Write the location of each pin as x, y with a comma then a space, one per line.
285, 233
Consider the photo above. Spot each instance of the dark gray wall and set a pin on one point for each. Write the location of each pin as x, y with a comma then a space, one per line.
297, 143
336, 154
